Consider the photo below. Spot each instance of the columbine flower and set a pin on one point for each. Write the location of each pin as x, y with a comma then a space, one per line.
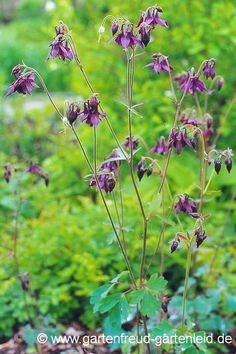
187, 205
126, 38
106, 182
200, 236
174, 246
161, 147
143, 168
114, 27
91, 114
217, 164
16, 70
135, 143
208, 68
151, 17
228, 164
227, 154
73, 112
37, 170
7, 172
60, 48
189, 119
160, 63
145, 34
113, 164
208, 130
179, 139
190, 83
23, 84
220, 83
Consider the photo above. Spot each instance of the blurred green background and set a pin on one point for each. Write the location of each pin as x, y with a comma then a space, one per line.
66, 243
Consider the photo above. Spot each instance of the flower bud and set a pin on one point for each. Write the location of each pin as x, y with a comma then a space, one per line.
228, 164
174, 246
217, 164
220, 83
141, 169
114, 27
150, 170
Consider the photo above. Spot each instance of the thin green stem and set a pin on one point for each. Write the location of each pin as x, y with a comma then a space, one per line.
187, 271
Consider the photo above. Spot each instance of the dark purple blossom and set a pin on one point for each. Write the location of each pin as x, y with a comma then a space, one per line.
161, 147
228, 164
208, 130
91, 114
174, 246
23, 84
135, 143
37, 170
151, 17
160, 63
114, 27
179, 139
188, 119
126, 38
208, 69
145, 34
220, 83
16, 70
8, 168
217, 164
190, 83
105, 181
113, 164
200, 236
141, 169
60, 49
73, 112
187, 205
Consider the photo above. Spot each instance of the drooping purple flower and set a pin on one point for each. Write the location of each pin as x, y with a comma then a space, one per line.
16, 70
187, 205
145, 34
189, 119
73, 112
141, 169
217, 164
208, 130
160, 63
190, 83
113, 164
174, 245
228, 164
91, 113
200, 236
151, 17
208, 69
220, 83
60, 49
114, 27
37, 170
179, 139
23, 84
161, 147
8, 172
105, 181
126, 38
135, 143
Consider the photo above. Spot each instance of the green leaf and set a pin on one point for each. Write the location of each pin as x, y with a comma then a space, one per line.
157, 283
155, 205
114, 280
137, 296
99, 293
29, 335
149, 305
163, 328
109, 302
124, 308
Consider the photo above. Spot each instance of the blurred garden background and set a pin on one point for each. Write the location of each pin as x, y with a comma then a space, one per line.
65, 242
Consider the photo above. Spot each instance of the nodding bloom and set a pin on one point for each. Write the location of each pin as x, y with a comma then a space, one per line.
221, 156
208, 69
187, 205
190, 83
73, 112
151, 17
228, 164
24, 84
179, 139
143, 168
37, 170
8, 172
200, 236
60, 49
113, 164
160, 63
91, 114
208, 130
220, 83
135, 143
217, 164
174, 245
106, 182
161, 147
145, 34
114, 27
189, 119
126, 38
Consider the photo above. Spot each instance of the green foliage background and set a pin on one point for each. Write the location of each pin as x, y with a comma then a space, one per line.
65, 239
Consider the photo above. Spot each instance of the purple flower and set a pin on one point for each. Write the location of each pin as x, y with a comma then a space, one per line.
200, 236
151, 17
160, 63
228, 164
187, 119
208, 130
37, 170
112, 165
23, 84
179, 139
174, 246
208, 68
220, 83
135, 143
145, 34
142, 168
91, 113
190, 83
73, 112
59, 48
114, 27
161, 147
8, 172
126, 38
217, 164
106, 182
187, 205
16, 70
